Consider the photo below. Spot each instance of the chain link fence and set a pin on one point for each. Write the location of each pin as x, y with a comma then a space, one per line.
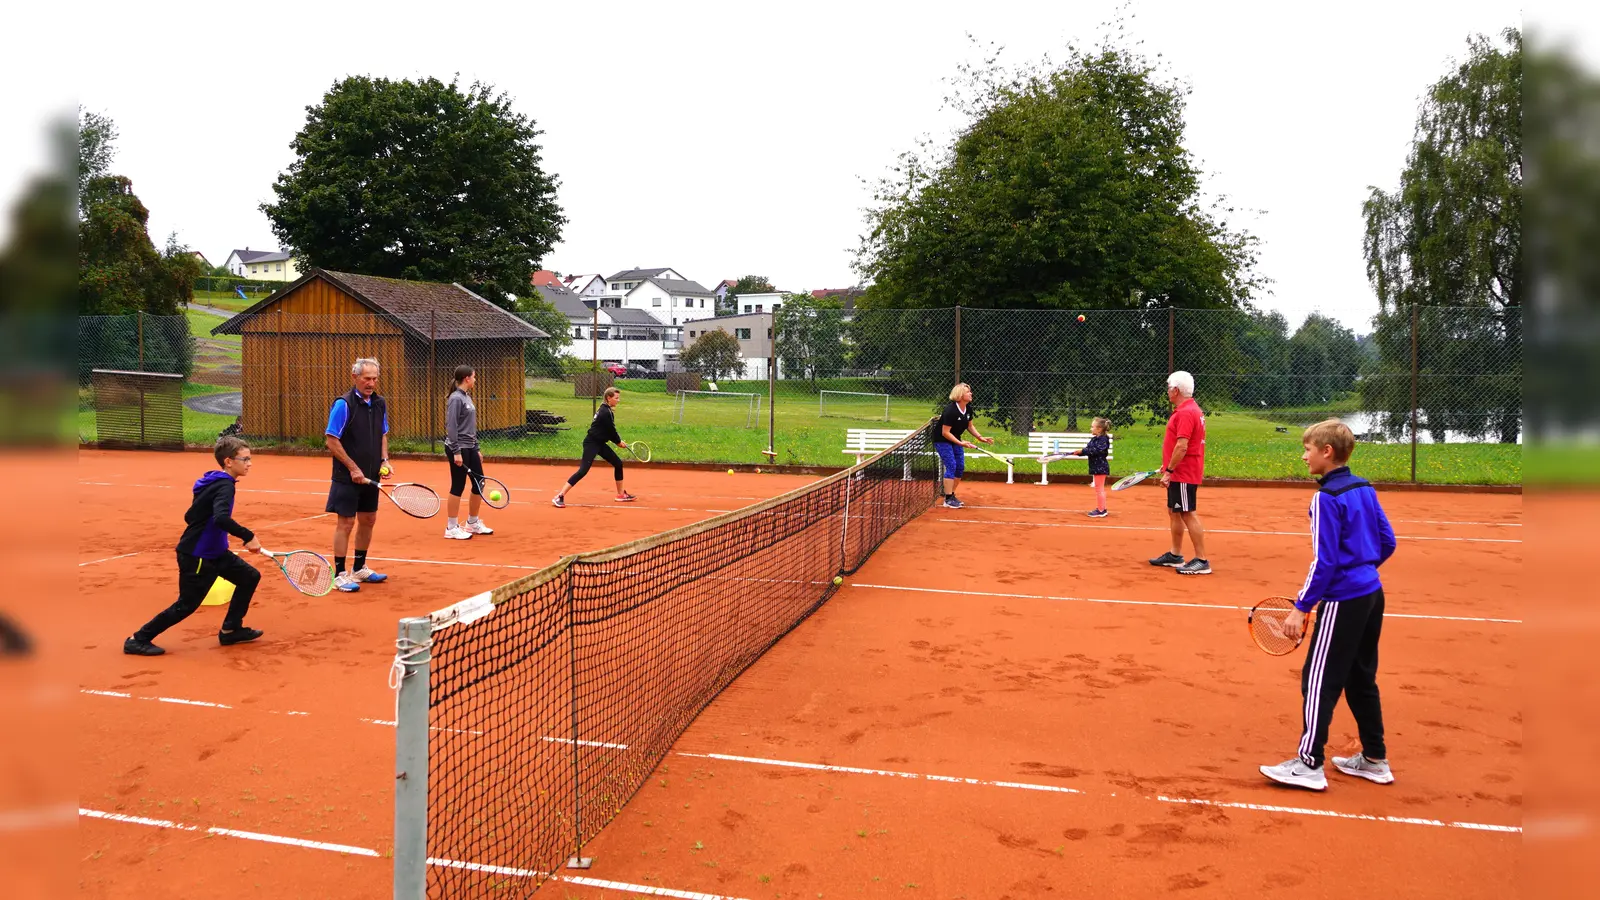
1425, 376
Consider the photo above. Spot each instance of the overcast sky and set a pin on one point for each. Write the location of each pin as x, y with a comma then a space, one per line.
724, 139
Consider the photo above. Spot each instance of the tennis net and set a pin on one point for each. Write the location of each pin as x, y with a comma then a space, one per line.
528, 716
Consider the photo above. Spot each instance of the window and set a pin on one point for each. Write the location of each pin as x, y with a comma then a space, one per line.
747, 307
280, 267
702, 303
769, 334
577, 332
758, 307
744, 334
655, 301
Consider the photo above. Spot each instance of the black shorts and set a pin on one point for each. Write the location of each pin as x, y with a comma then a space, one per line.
472, 462
1181, 496
346, 499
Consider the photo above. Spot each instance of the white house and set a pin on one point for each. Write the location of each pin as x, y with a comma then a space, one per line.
618, 335
585, 285
628, 279
672, 300
758, 303
263, 265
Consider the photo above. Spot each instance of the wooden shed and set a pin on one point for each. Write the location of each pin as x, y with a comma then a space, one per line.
299, 344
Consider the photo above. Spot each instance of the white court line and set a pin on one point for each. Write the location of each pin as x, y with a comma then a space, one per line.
292, 521
953, 779
922, 590
441, 562
226, 832
1079, 509
1403, 537
1159, 798
350, 850
109, 558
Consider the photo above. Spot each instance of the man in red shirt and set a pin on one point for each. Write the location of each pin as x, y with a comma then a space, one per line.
1183, 465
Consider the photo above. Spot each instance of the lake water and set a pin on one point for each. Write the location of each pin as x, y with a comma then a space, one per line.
1365, 423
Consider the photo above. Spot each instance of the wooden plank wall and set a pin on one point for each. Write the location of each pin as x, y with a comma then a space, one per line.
292, 377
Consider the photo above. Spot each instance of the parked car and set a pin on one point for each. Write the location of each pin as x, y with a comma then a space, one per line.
617, 369
636, 370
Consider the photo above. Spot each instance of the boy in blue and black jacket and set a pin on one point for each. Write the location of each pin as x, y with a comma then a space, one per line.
203, 555
1350, 539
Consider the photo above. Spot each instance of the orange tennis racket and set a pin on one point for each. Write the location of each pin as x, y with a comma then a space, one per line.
1266, 626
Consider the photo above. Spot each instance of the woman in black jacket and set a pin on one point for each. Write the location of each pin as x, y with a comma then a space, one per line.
601, 431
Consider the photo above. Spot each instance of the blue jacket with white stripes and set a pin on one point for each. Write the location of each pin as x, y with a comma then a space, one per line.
1350, 539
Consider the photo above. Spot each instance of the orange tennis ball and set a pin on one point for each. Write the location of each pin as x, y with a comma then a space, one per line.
1080, 318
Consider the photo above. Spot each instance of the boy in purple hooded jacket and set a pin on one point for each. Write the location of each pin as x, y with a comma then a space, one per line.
203, 555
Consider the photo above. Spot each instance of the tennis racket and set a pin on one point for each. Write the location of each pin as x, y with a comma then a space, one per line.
981, 449
308, 572
639, 450
1056, 454
1266, 626
488, 487
413, 499
1129, 481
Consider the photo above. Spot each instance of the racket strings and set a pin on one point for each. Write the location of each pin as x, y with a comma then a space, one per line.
416, 500
309, 572
1267, 627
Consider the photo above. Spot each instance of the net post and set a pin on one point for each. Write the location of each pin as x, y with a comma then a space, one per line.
1413, 393
577, 860
409, 678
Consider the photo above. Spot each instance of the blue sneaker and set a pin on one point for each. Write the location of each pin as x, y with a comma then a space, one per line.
951, 502
366, 574
346, 582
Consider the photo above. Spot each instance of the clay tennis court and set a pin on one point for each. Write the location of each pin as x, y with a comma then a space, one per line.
1006, 701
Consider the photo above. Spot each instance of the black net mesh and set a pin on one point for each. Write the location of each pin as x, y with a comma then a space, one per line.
549, 714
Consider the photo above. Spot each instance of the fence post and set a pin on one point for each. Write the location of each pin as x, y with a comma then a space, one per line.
1413, 393
410, 677
577, 860
1172, 331
141, 344
772, 389
283, 380
433, 363
594, 360
958, 343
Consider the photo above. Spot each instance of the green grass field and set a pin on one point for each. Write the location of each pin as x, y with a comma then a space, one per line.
1237, 446
198, 428
224, 300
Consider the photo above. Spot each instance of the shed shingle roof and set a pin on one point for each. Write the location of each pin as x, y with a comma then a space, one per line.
447, 311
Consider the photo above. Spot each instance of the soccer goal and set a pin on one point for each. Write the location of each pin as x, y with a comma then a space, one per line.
854, 405
718, 408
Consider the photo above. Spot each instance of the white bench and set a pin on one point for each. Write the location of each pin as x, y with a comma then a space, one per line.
1045, 443
864, 442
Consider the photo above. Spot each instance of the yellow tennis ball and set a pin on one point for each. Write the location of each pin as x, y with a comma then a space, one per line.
758, 470
730, 471
383, 470
495, 496
838, 579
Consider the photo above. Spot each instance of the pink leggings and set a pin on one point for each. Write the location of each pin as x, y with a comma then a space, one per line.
1100, 491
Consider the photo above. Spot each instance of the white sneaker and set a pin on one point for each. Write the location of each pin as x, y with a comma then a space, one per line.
366, 574
477, 528
346, 582
1295, 773
1376, 771
458, 534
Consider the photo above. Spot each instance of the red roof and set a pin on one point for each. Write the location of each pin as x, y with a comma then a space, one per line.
546, 278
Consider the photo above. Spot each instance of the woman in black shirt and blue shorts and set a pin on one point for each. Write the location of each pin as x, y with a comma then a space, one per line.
601, 431
954, 422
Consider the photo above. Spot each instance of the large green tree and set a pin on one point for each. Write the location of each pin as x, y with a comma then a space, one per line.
714, 354
122, 274
810, 337
421, 180
1069, 187
1451, 235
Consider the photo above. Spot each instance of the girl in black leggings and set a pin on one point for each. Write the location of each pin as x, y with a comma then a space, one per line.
601, 430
